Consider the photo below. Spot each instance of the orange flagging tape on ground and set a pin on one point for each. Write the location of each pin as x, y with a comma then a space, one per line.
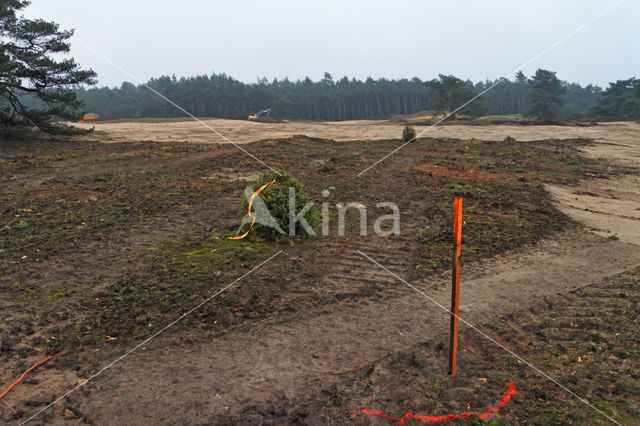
511, 390
33, 367
253, 218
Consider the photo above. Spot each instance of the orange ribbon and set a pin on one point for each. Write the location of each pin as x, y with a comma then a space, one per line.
253, 217
33, 367
511, 390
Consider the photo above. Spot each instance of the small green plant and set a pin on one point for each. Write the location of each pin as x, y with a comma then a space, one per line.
327, 167
428, 233
613, 237
408, 133
576, 161
435, 386
487, 164
509, 139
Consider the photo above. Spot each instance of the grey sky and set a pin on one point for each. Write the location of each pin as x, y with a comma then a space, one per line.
394, 39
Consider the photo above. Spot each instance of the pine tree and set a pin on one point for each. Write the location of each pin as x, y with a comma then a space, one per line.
35, 88
450, 93
408, 133
620, 99
545, 94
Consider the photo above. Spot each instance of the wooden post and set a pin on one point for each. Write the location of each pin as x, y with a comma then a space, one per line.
455, 287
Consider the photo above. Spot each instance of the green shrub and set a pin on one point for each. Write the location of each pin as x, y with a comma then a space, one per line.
276, 198
409, 133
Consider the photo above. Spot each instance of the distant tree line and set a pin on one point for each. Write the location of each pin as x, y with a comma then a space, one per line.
40, 87
220, 95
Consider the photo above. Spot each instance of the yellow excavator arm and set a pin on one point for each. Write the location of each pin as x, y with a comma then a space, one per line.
263, 113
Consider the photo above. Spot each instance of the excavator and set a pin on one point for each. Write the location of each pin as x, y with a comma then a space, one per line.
263, 113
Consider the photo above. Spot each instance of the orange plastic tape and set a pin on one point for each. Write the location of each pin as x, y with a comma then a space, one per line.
511, 390
33, 367
253, 218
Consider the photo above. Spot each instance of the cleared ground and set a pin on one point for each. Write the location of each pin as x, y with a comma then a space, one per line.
592, 203
104, 244
616, 138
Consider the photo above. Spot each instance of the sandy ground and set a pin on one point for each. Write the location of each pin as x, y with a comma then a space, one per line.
616, 138
609, 207
606, 207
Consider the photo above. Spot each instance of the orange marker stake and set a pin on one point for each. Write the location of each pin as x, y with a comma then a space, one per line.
455, 287
253, 217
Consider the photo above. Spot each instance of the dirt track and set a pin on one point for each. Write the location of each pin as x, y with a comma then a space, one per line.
608, 207
224, 377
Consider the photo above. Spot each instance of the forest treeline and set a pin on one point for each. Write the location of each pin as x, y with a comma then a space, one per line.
42, 88
220, 95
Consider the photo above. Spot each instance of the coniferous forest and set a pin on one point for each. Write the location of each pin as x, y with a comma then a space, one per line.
220, 95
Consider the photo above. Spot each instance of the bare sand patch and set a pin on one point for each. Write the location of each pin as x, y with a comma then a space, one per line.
608, 207
619, 136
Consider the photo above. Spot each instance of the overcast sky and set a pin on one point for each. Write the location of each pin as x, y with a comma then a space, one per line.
394, 39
